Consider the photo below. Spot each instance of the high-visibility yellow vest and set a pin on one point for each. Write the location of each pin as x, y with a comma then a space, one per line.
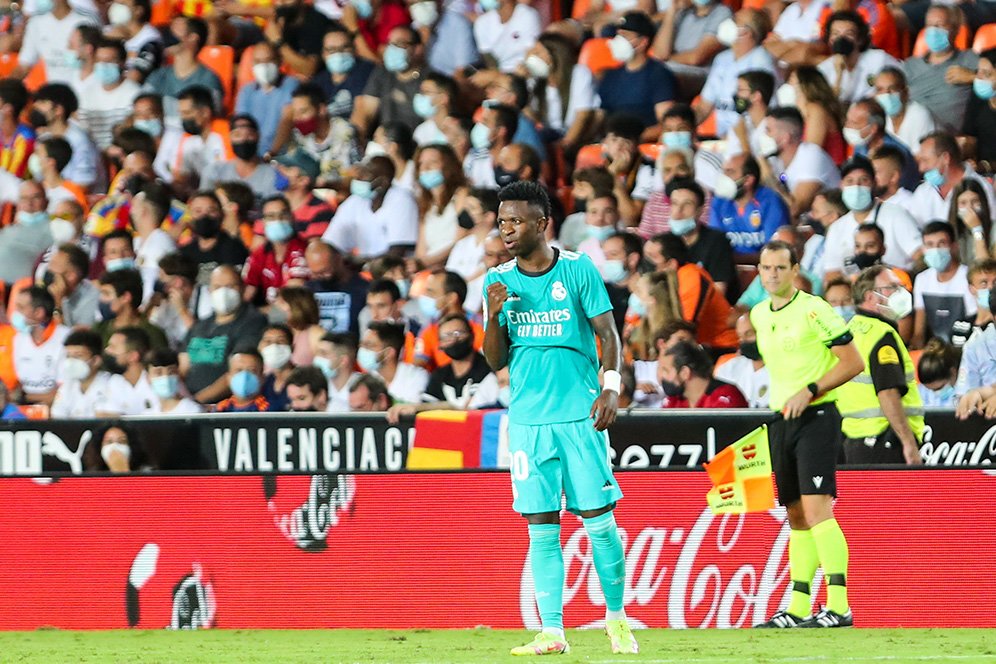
857, 400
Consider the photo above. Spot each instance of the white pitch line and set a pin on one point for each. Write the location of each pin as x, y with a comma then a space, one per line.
817, 658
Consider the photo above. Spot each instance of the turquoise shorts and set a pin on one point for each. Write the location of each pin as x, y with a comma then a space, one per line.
566, 458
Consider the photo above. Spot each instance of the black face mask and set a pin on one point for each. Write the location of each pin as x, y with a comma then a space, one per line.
740, 105
842, 46
749, 350
817, 226
865, 261
111, 364
458, 351
207, 227
48, 279
192, 127
465, 220
505, 178
672, 389
134, 184
287, 13
580, 205
159, 287
37, 118
245, 150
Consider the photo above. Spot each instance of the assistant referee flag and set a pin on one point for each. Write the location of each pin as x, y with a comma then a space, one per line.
741, 476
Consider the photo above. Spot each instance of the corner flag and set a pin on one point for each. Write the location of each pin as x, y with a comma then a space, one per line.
741, 476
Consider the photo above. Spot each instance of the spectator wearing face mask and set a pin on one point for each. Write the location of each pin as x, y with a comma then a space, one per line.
379, 354
278, 260
708, 247
434, 104
53, 113
746, 369
45, 165
329, 140
76, 297
971, 219
115, 450
490, 135
267, 96
601, 217
852, 64
369, 394
378, 217
125, 354
937, 373
46, 38
205, 141
336, 358
106, 99
296, 31
907, 120
245, 164
441, 184
344, 75
384, 303
391, 88
275, 349
864, 130
981, 282
245, 381
453, 386
395, 142
130, 21
339, 291
295, 306
941, 294
444, 296
307, 390
37, 349
163, 369
87, 390
210, 341
620, 270
173, 311
23, 242
655, 219
685, 374
478, 217
119, 303
746, 211
311, 213
211, 246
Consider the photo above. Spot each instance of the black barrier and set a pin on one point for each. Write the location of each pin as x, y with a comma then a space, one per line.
307, 442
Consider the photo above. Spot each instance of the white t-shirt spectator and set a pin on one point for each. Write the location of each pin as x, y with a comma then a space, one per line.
813, 255
721, 84
801, 23
944, 302
902, 237
753, 384
855, 84
648, 180
47, 38
810, 164
186, 406
429, 133
917, 123
928, 205
508, 42
903, 198
105, 395
102, 109
148, 253
645, 373
339, 399
357, 227
467, 259
38, 366
139, 398
478, 168
409, 383
582, 98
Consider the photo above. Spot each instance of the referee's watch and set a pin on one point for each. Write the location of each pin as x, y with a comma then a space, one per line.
814, 389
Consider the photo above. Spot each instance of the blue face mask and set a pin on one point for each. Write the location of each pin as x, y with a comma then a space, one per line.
43, 6
363, 8
431, 179
982, 298
278, 231
613, 271
367, 359
32, 218
857, 197
489, 5
891, 103
395, 58
107, 73
280, 182
165, 387
115, 264
403, 286
325, 365
480, 137
934, 178
600, 233
362, 189
845, 311
938, 258
946, 393
153, 127
427, 305
937, 39
19, 322
682, 227
72, 60
677, 139
244, 384
637, 306
424, 108
106, 312
340, 63
983, 89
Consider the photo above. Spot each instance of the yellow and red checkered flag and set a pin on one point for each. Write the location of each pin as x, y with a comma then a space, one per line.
741, 476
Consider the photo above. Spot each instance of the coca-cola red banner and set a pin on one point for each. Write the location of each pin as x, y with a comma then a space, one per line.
405, 551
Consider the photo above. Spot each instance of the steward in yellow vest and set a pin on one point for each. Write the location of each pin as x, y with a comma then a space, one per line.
881, 408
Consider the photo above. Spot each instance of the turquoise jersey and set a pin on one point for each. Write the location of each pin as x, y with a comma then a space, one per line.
553, 359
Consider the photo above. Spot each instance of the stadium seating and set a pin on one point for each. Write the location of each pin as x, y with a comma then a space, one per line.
596, 56
221, 60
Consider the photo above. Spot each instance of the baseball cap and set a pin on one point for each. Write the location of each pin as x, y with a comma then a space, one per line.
302, 160
637, 22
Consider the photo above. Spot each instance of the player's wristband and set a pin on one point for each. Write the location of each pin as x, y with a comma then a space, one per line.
611, 380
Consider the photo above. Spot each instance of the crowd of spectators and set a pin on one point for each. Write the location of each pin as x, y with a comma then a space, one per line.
309, 230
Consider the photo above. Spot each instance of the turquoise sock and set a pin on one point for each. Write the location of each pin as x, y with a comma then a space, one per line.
610, 560
547, 561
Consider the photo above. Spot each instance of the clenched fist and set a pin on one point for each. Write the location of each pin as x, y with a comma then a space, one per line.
497, 295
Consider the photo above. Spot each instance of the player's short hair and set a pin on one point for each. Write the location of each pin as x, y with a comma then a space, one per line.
391, 334
778, 245
135, 339
85, 339
385, 286
865, 283
125, 281
310, 377
691, 355
529, 192
940, 227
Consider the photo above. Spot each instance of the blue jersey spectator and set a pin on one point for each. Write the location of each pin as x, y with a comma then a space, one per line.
267, 96
747, 213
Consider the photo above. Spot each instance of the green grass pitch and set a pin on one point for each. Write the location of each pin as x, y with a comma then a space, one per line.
486, 645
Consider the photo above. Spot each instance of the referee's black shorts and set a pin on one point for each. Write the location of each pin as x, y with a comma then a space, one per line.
883, 448
804, 453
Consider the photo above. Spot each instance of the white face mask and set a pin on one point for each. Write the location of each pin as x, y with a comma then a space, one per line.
276, 356
424, 14
110, 448
265, 73
621, 49
786, 95
900, 303
63, 231
854, 138
75, 369
727, 32
118, 14
726, 187
537, 66
224, 300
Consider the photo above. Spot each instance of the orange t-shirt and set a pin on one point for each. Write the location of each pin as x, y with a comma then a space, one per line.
704, 305
429, 355
7, 373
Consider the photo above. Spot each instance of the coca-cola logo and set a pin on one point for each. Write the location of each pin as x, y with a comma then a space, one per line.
724, 571
329, 498
979, 452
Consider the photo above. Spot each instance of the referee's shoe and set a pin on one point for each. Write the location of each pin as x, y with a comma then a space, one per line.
828, 618
783, 620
